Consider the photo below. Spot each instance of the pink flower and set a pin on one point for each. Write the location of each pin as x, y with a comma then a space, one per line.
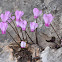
23, 25
18, 14
8, 14
3, 27
36, 12
33, 26
23, 44
18, 23
47, 19
11, 19
5, 16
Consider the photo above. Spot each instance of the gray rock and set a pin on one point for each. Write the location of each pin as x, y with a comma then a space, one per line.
1, 49
51, 55
6, 55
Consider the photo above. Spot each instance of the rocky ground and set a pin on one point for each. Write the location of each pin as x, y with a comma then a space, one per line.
47, 6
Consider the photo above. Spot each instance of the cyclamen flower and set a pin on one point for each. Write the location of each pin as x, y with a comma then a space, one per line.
33, 26
3, 27
18, 14
23, 44
5, 16
23, 25
8, 14
36, 12
11, 19
47, 19
18, 23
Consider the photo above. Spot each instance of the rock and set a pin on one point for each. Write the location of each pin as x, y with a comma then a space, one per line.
6, 55
1, 49
47, 2
51, 55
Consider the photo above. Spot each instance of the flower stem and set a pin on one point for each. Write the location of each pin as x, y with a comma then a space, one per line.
12, 37
22, 33
26, 37
36, 34
55, 31
29, 36
15, 31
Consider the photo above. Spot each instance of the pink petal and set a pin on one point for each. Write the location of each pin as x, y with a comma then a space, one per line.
50, 17
3, 32
23, 28
33, 26
22, 13
36, 25
25, 22
3, 27
9, 21
8, 14
36, 12
18, 14
23, 25
40, 12
4, 18
13, 17
18, 23
21, 19
47, 25
47, 19
35, 17
0, 25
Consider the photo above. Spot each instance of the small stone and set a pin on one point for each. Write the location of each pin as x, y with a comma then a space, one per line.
19, 49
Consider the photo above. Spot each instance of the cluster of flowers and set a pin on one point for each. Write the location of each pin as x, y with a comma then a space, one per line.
7, 18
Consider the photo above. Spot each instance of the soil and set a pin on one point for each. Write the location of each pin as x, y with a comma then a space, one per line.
31, 51
25, 54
